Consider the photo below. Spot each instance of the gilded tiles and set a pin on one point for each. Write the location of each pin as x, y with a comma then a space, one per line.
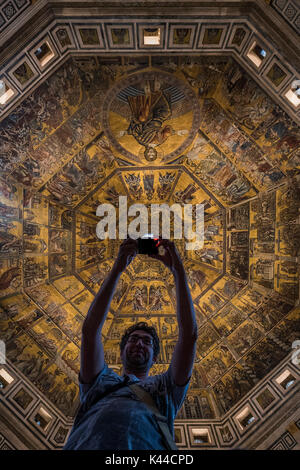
151, 115
41, 116
35, 239
167, 349
69, 286
168, 327
204, 75
286, 272
216, 171
152, 185
59, 216
111, 320
10, 238
211, 302
9, 329
108, 193
238, 253
59, 264
20, 309
197, 406
45, 295
76, 178
262, 225
121, 291
149, 268
17, 313
60, 389
252, 299
239, 148
199, 277
71, 357
11, 194
263, 357
245, 336
207, 337
10, 276
81, 139
94, 276
11, 198
48, 336
288, 329
147, 299
82, 301
63, 314
89, 254
270, 127
239, 217
199, 377
266, 317
228, 319
27, 356
216, 363
228, 287
233, 386
47, 377
59, 241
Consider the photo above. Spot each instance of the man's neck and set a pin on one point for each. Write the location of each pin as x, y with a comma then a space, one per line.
142, 375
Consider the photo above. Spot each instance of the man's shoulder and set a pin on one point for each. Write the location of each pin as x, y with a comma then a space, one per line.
106, 377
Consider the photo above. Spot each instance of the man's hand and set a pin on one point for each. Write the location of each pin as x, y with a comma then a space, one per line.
168, 254
127, 252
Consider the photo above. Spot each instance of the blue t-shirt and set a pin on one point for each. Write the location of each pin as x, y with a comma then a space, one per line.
120, 420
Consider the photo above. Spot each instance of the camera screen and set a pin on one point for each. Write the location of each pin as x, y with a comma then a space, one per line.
147, 246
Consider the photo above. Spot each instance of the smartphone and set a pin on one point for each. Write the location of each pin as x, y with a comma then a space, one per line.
148, 246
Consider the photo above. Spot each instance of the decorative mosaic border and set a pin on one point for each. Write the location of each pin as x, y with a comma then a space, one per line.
228, 433
222, 433
10, 10
289, 10
65, 37
285, 442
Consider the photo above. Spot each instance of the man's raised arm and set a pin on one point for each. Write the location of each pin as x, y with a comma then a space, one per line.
185, 349
92, 353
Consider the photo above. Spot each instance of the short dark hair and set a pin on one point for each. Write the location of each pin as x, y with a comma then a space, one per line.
148, 329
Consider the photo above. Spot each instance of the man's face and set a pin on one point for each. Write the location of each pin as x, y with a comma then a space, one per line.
138, 353
150, 154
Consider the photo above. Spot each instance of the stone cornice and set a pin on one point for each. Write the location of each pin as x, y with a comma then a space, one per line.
36, 18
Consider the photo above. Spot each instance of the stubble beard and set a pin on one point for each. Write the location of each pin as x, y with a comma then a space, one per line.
136, 362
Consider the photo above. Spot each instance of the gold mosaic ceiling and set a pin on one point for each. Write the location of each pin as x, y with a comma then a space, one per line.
223, 143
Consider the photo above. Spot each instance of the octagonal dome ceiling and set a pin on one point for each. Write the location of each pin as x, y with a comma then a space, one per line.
72, 145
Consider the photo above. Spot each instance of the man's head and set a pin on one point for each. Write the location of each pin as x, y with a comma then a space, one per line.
139, 347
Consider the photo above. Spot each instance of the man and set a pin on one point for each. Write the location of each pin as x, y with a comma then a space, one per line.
112, 416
